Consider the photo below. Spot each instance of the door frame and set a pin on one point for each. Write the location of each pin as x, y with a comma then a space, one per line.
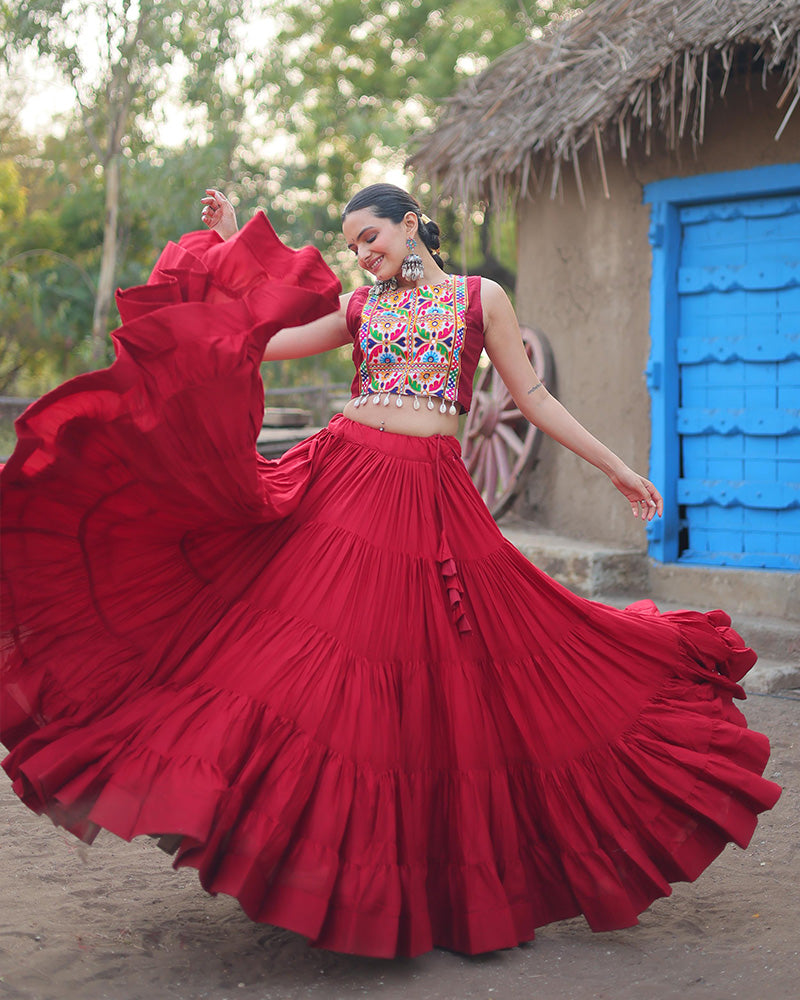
666, 198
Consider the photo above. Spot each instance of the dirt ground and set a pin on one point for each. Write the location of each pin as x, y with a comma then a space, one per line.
114, 921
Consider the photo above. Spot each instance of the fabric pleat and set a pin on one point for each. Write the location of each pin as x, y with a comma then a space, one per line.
329, 679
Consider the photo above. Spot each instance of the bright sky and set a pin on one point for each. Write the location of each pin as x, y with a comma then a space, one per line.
48, 96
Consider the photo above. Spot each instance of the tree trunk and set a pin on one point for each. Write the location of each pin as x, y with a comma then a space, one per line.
108, 264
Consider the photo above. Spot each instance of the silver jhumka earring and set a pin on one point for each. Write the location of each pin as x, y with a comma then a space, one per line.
411, 268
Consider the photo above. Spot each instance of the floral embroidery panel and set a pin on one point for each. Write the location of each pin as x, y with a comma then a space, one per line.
412, 339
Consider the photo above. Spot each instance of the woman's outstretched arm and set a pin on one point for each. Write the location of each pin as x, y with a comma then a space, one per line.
507, 353
320, 335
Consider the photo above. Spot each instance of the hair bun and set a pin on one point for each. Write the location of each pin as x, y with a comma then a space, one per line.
433, 241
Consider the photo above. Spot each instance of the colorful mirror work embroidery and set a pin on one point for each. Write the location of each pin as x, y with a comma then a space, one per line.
412, 339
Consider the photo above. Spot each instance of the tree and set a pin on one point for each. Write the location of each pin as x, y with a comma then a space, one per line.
331, 103
46, 292
117, 56
51, 232
360, 77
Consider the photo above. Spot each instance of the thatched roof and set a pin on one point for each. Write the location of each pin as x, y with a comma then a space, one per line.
616, 73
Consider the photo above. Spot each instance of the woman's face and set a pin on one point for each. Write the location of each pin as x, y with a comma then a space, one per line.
379, 244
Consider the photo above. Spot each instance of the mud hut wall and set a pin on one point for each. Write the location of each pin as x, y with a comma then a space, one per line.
584, 280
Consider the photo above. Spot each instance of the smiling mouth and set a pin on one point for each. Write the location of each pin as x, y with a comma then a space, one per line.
373, 267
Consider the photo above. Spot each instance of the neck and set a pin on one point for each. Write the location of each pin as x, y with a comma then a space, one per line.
431, 276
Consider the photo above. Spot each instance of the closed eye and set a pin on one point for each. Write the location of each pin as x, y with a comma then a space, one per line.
369, 239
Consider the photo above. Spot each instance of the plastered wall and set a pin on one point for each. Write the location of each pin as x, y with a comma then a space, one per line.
583, 280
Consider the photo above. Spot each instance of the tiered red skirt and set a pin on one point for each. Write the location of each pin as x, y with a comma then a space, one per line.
363, 712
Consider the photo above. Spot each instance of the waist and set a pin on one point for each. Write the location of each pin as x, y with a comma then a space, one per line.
422, 422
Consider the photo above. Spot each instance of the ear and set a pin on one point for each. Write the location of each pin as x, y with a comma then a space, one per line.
411, 223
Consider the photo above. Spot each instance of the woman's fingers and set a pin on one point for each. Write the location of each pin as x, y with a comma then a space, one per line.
650, 505
645, 500
218, 213
213, 203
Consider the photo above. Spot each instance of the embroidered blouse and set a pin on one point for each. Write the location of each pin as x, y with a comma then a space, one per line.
422, 341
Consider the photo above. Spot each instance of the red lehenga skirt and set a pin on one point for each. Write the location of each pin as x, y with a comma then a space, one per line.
357, 708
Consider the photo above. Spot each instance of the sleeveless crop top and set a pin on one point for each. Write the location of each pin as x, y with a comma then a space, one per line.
422, 341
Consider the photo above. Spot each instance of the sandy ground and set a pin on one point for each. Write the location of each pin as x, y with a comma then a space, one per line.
114, 921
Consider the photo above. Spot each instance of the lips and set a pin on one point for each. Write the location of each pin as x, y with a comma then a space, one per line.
373, 266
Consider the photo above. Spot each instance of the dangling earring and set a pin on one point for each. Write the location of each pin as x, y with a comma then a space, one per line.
411, 268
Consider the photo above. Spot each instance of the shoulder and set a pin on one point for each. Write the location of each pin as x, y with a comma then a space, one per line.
492, 294
496, 304
353, 304
358, 296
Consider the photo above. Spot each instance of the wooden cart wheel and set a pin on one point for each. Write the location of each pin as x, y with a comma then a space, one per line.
498, 444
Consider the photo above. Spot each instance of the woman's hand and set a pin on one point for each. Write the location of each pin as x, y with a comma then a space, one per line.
218, 214
644, 498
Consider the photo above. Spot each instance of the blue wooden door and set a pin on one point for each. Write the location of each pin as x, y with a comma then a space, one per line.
738, 357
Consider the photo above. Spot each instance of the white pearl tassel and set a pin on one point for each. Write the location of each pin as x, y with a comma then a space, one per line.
364, 398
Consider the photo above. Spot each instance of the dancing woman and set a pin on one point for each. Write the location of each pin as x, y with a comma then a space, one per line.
329, 682
385, 229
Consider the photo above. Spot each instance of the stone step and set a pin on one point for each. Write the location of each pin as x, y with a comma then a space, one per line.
771, 676
585, 568
756, 592
594, 570
273, 442
764, 606
772, 638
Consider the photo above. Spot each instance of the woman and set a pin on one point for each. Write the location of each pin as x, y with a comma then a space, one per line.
328, 681
380, 224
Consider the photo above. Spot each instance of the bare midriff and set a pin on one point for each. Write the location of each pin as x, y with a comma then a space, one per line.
404, 419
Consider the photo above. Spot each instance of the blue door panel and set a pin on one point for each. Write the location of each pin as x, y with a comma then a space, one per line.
789, 382
724, 366
738, 354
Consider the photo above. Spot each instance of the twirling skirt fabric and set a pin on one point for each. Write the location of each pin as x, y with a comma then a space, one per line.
329, 679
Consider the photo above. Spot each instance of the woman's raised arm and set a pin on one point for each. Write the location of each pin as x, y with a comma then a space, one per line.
218, 214
507, 353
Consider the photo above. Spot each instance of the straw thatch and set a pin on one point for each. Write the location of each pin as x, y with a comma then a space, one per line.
618, 73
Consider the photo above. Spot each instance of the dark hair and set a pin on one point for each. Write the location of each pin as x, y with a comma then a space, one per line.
388, 201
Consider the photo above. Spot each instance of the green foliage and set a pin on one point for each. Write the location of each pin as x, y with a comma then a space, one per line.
294, 128
13, 199
117, 55
48, 253
120, 59
35, 305
359, 78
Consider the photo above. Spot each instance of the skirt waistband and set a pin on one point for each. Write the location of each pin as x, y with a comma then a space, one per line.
417, 449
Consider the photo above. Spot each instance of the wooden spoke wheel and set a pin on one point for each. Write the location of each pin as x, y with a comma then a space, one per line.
498, 444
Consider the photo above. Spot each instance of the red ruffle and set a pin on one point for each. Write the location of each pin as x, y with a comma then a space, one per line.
364, 736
